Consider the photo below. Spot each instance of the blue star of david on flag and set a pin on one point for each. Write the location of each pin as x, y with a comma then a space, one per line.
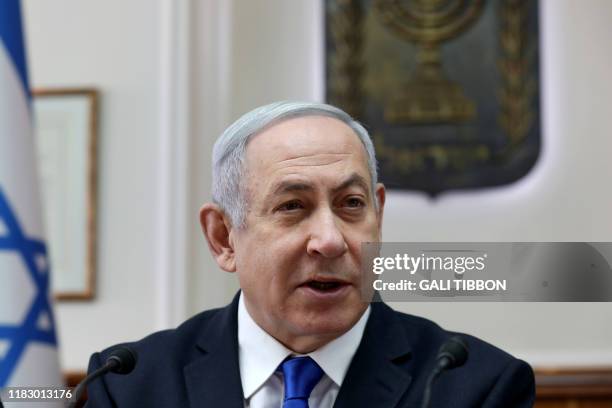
33, 255
28, 346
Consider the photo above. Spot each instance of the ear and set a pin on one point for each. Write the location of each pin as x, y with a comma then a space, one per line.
380, 196
217, 228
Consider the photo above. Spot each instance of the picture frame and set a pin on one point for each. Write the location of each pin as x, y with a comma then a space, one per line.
66, 135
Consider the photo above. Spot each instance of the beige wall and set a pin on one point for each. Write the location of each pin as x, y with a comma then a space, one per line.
112, 45
245, 53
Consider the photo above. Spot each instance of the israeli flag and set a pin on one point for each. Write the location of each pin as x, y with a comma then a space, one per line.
28, 345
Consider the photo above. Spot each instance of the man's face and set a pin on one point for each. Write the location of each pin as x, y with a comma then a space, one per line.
310, 206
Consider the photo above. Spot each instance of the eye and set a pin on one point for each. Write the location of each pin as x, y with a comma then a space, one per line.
355, 202
290, 206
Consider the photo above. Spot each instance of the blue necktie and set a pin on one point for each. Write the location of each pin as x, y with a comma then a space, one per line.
301, 376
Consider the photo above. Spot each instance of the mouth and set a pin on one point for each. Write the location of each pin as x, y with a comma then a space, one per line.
325, 288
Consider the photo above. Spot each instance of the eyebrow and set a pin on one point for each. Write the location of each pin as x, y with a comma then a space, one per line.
293, 186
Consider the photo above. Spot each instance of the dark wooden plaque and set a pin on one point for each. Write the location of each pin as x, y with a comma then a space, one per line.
449, 89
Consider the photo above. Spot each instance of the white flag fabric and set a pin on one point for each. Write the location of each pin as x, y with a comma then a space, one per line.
28, 345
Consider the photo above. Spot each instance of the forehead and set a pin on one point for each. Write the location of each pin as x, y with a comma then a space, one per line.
306, 144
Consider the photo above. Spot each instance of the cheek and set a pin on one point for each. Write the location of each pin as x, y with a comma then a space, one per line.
265, 267
368, 233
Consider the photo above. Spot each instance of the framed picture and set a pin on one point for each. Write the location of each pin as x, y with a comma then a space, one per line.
66, 122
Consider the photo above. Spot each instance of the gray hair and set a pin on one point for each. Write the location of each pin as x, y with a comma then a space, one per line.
230, 150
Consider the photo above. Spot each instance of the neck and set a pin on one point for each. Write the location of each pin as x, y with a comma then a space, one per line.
306, 344
297, 342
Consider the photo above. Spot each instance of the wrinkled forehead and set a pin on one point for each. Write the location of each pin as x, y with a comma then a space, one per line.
313, 139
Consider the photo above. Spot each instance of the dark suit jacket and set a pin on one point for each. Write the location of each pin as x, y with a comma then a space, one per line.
196, 365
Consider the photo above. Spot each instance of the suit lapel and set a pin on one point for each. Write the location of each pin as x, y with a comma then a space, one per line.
379, 373
213, 378
377, 377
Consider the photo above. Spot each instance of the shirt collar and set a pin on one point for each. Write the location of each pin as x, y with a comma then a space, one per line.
260, 354
335, 357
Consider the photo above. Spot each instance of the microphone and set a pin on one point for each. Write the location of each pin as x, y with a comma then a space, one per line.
453, 353
121, 361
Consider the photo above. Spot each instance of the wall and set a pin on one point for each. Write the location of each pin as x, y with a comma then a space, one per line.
112, 45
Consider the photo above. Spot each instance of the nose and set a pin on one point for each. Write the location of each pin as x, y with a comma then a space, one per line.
326, 239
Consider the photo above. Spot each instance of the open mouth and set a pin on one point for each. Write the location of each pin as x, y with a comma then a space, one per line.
323, 286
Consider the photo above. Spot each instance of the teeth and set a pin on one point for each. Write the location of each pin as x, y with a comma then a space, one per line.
323, 285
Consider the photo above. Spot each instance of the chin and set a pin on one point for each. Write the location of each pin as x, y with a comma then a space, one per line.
328, 323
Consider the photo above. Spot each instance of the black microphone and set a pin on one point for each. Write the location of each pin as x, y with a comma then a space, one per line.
122, 360
452, 354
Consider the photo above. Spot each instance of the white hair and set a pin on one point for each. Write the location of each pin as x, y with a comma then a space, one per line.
230, 150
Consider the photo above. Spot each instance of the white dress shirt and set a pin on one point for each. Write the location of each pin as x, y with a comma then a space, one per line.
260, 355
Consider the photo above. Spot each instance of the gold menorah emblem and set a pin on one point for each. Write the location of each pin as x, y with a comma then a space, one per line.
428, 96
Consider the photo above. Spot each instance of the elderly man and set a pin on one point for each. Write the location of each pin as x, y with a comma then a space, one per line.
295, 193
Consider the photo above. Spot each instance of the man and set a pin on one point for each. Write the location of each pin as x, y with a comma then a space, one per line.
295, 193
